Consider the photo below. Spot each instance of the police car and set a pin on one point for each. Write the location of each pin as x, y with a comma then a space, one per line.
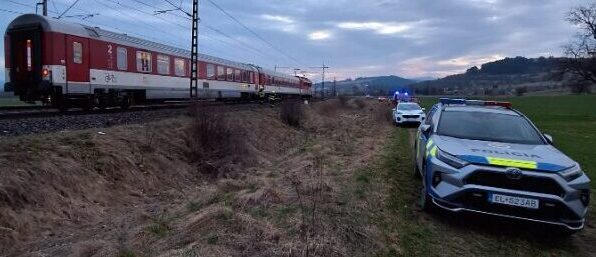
485, 157
406, 112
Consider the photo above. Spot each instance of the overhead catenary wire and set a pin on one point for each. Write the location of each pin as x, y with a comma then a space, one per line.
54, 5
146, 13
17, 3
68, 9
239, 43
119, 11
10, 11
254, 33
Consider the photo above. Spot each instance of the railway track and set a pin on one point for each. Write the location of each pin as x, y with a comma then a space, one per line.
16, 122
23, 112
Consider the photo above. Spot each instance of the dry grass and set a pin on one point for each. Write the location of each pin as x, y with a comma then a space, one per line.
288, 192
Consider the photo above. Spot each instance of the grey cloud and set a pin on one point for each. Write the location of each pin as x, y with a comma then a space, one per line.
440, 33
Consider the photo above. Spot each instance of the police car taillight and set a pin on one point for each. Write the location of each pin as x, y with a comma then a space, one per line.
495, 103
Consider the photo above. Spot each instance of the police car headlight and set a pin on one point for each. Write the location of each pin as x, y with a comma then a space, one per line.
572, 173
451, 160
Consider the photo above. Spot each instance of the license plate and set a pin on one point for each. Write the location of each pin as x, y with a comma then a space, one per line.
513, 201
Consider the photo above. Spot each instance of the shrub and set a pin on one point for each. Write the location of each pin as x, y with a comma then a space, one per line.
359, 103
520, 91
217, 141
343, 100
210, 133
291, 113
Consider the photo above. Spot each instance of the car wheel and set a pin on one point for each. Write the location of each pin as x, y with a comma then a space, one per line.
562, 232
416, 169
426, 203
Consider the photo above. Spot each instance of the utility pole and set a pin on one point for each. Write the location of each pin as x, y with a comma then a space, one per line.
44, 7
194, 51
323, 84
334, 88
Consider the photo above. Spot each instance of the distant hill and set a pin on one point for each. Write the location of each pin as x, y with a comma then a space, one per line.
382, 85
501, 77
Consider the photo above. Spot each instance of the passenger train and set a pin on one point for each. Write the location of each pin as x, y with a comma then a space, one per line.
72, 65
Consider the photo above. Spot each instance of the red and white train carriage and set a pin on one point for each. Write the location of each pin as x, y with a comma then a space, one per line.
69, 64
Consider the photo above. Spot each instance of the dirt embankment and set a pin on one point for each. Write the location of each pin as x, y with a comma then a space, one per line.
157, 190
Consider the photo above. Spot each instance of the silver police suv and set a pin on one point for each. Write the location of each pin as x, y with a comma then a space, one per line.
485, 157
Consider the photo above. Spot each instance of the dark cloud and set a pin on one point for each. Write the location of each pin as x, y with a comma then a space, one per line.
356, 38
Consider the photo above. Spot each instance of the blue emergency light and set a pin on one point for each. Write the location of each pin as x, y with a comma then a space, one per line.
448, 101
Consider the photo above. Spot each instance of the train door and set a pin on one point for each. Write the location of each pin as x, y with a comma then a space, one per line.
77, 65
26, 62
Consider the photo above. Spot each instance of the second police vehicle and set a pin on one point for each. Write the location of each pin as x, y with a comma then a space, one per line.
485, 157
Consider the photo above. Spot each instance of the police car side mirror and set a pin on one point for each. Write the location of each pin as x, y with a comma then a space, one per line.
424, 128
549, 138
423, 109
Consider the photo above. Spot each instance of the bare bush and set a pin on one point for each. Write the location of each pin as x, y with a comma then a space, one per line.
291, 113
360, 103
343, 100
215, 140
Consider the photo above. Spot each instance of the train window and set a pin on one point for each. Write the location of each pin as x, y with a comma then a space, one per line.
180, 67
144, 62
122, 58
244, 76
210, 71
230, 74
221, 73
237, 75
163, 64
251, 77
77, 52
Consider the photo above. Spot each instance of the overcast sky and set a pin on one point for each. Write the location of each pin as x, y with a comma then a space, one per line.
409, 38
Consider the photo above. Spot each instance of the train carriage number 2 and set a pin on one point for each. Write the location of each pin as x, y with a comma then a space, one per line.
110, 77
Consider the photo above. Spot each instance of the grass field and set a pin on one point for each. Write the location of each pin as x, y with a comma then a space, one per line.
569, 119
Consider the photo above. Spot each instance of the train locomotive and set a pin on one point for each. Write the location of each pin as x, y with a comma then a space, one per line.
66, 64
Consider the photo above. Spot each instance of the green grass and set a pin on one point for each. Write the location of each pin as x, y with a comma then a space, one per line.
416, 237
160, 226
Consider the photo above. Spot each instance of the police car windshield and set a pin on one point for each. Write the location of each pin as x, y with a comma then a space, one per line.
488, 126
408, 107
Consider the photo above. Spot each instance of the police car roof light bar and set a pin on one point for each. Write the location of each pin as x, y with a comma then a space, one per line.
452, 101
447, 101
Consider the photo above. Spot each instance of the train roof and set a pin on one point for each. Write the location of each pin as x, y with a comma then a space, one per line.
54, 25
278, 74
